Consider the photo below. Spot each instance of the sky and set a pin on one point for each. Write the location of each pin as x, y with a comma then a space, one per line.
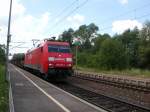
39, 19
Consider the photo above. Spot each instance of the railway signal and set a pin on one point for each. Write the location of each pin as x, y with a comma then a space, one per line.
77, 43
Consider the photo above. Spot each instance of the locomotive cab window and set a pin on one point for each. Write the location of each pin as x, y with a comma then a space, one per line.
62, 49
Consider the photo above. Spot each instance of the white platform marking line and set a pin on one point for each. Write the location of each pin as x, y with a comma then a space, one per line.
49, 96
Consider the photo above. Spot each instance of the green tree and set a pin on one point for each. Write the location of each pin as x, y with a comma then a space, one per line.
144, 46
86, 33
144, 57
88, 60
67, 36
144, 34
130, 41
98, 42
112, 55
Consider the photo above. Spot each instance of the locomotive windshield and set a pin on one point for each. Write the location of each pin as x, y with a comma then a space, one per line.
62, 49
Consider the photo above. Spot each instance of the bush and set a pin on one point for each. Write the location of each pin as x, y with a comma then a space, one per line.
2, 55
3, 91
87, 60
144, 58
112, 55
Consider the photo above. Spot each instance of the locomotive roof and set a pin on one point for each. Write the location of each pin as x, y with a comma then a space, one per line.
49, 43
57, 43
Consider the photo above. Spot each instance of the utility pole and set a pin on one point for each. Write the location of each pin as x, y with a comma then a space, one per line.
8, 40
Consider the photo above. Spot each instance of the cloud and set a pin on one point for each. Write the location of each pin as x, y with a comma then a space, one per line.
17, 8
121, 25
28, 27
24, 27
123, 2
76, 20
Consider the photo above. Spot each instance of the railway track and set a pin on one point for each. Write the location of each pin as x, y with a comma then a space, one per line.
107, 103
114, 81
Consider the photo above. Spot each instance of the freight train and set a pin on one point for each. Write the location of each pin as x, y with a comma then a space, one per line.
52, 59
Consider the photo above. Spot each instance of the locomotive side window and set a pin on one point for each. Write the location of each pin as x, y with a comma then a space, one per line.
62, 49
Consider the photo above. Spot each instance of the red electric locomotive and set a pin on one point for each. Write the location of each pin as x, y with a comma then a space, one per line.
51, 59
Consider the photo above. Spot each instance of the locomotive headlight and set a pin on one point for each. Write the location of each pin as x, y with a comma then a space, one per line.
69, 65
51, 58
69, 59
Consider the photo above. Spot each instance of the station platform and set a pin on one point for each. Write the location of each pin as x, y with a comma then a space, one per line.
32, 94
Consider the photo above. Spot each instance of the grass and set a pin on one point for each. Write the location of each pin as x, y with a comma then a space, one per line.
3, 91
127, 72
